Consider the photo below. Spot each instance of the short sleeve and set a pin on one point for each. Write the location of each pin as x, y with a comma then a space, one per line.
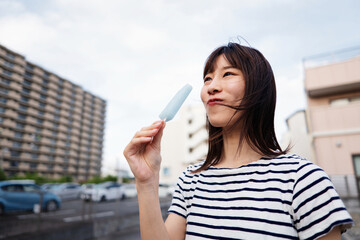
317, 207
178, 204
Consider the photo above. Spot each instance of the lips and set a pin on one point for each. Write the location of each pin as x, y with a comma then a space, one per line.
214, 101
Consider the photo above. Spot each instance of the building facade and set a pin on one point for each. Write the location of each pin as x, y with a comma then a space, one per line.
48, 125
185, 141
333, 115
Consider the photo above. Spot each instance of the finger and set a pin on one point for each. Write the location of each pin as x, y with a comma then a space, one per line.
156, 124
146, 133
157, 138
135, 145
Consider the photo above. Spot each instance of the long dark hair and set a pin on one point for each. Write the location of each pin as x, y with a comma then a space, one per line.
257, 106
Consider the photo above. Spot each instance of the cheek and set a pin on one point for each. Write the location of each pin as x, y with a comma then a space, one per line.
203, 94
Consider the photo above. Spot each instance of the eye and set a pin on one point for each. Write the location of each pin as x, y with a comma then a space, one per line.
207, 79
228, 74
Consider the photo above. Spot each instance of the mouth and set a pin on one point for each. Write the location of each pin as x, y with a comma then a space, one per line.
214, 101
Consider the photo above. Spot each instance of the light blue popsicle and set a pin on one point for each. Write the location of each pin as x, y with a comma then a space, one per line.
175, 103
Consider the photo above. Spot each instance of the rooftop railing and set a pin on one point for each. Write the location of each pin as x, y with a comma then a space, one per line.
331, 57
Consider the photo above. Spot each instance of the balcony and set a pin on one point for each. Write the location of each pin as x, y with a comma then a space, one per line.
339, 74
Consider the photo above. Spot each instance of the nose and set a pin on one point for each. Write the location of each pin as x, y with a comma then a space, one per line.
214, 87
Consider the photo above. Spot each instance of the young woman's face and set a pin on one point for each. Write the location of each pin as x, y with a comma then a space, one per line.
225, 85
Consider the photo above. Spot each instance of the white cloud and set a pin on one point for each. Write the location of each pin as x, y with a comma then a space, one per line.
136, 54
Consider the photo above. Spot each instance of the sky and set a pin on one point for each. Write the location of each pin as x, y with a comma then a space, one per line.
136, 54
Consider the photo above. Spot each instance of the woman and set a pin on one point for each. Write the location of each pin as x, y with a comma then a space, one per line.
247, 187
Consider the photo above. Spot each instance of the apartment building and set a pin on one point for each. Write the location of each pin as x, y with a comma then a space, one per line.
332, 84
185, 141
48, 125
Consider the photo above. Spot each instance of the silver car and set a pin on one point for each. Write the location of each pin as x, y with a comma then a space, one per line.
67, 191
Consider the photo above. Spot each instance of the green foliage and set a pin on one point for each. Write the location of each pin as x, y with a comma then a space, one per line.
2, 175
98, 179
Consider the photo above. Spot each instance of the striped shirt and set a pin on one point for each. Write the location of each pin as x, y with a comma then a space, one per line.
286, 197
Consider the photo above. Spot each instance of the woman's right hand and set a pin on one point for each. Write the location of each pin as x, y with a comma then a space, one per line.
143, 153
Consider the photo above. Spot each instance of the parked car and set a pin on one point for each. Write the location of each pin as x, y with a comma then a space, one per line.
23, 195
104, 191
47, 186
86, 190
67, 191
129, 190
163, 190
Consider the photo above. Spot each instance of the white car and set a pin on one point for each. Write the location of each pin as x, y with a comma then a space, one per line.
103, 192
130, 190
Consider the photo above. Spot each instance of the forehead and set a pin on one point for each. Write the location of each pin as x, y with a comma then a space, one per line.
219, 63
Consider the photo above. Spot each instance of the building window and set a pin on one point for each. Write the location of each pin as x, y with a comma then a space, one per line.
50, 167
4, 91
10, 55
17, 144
35, 146
41, 113
3, 100
53, 141
42, 96
2, 110
29, 67
7, 73
54, 133
26, 91
39, 121
8, 64
51, 158
44, 89
24, 99
56, 117
14, 164
57, 110
45, 82
20, 125
55, 125
23, 108
5, 81
21, 116
15, 153
33, 165
38, 130
18, 135
42, 105
166, 171
34, 156
1, 120
58, 102
52, 149
36, 137
28, 75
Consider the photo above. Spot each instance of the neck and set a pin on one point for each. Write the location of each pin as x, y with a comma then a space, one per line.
233, 156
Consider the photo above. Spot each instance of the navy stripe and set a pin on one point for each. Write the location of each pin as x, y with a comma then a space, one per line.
307, 174
182, 200
249, 173
309, 186
327, 230
257, 165
243, 230
262, 220
177, 213
321, 219
316, 208
242, 208
210, 236
248, 181
244, 189
179, 206
244, 198
312, 198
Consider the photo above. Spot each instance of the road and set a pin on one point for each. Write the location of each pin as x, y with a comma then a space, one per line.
76, 212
